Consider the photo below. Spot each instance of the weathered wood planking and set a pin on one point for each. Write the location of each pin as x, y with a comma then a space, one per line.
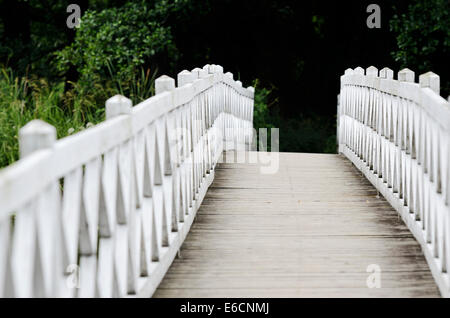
396, 132
310, 230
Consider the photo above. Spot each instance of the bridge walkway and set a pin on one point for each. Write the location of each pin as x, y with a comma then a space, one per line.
312, 229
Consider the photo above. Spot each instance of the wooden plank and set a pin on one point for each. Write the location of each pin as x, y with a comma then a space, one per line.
309, 230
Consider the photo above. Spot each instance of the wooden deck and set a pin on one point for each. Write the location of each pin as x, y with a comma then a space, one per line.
310, 230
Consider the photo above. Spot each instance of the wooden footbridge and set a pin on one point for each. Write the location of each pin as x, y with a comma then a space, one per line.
169, 198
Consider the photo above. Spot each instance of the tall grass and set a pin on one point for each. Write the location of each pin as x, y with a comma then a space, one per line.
138, 85
26, 98
23, 99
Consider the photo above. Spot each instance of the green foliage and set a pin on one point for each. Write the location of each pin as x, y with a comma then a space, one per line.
30, 31
262, 102
26, 98
126, 37
23, 99
423, 37
318, 23
138, 85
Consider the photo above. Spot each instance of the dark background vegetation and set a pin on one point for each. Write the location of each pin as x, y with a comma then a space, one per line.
293, 51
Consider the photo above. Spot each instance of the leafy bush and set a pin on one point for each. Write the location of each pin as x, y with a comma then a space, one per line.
423, 37
138, 85
262, 103
126, 37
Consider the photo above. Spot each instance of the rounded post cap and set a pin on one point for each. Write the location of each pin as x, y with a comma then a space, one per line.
163, 84
359, 70
348, 71
202, 73
229, 75
218, 69
239, 83
251, 89
211, 68
372, 71
386, 73
430, 80
195, 73
406, 75
118, 105
35, 135
185, 77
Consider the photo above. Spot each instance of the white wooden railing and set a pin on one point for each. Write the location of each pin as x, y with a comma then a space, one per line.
103, 213
397, 133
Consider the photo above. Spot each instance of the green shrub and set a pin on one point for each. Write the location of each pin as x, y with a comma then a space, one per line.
262, 103
70, 110
423, 38
127, 37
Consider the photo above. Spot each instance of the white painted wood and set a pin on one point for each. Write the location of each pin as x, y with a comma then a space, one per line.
430, 80
36, 135
406, 75
387, 73
5, 258
359, 70
113, 203
372, 71
163, 84
406, 127
185, 77
202, 73
118, 105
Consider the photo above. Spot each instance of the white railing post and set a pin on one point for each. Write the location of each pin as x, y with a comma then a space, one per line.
406, 75
117, 105
430, 80
36, 135
183, 78
372, 71
396, 132
249, 118
163, 84
117, 247
386, 73
171, 154
358, 70
36, 257
338, 115
103, 212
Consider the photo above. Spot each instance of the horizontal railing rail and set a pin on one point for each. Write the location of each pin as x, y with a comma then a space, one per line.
397, 133
103, 213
